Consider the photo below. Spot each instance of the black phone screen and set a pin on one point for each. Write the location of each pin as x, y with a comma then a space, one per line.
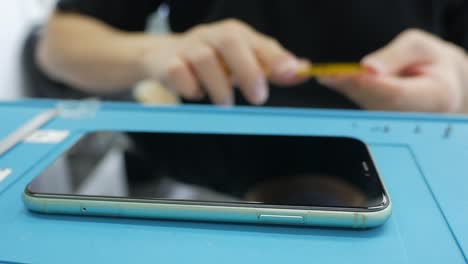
238, 169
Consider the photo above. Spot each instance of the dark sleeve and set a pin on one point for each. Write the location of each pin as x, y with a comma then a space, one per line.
456, 22
128, 15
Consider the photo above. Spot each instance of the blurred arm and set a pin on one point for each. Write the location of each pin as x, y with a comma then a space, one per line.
90, 55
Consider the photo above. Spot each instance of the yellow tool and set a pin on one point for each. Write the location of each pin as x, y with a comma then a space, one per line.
331, 70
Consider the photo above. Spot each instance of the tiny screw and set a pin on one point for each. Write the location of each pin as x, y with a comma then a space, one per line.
448, 131
417, 130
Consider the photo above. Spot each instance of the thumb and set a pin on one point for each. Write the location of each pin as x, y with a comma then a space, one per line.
410, 48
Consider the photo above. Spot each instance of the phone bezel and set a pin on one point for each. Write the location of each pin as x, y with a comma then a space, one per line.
115, 199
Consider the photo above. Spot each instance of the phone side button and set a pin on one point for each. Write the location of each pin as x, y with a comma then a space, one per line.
281, 219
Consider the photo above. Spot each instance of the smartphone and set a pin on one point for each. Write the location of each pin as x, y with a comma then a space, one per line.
243, 178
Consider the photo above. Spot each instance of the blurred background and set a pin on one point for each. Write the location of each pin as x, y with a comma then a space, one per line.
16, 21
21, 16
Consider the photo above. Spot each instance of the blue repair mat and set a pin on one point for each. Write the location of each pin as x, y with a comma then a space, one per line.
423, 160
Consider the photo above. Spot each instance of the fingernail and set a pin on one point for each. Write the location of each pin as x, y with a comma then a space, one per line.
199, 94
261, 91
227, 101
374, 65
326, 82
288, 68
303, 63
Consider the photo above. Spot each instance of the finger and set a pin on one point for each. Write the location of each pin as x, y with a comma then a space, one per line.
424, 93
410, 48
366, 92
243, 65
281, 65
210, 72
178, 77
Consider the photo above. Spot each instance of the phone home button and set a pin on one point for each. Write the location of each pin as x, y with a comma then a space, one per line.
281, 219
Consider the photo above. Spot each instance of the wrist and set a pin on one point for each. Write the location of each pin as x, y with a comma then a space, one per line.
464, 76
462, 66
140, 46
151, 47
460, 58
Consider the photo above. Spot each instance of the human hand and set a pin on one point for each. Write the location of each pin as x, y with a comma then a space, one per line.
209, 59
415, 72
